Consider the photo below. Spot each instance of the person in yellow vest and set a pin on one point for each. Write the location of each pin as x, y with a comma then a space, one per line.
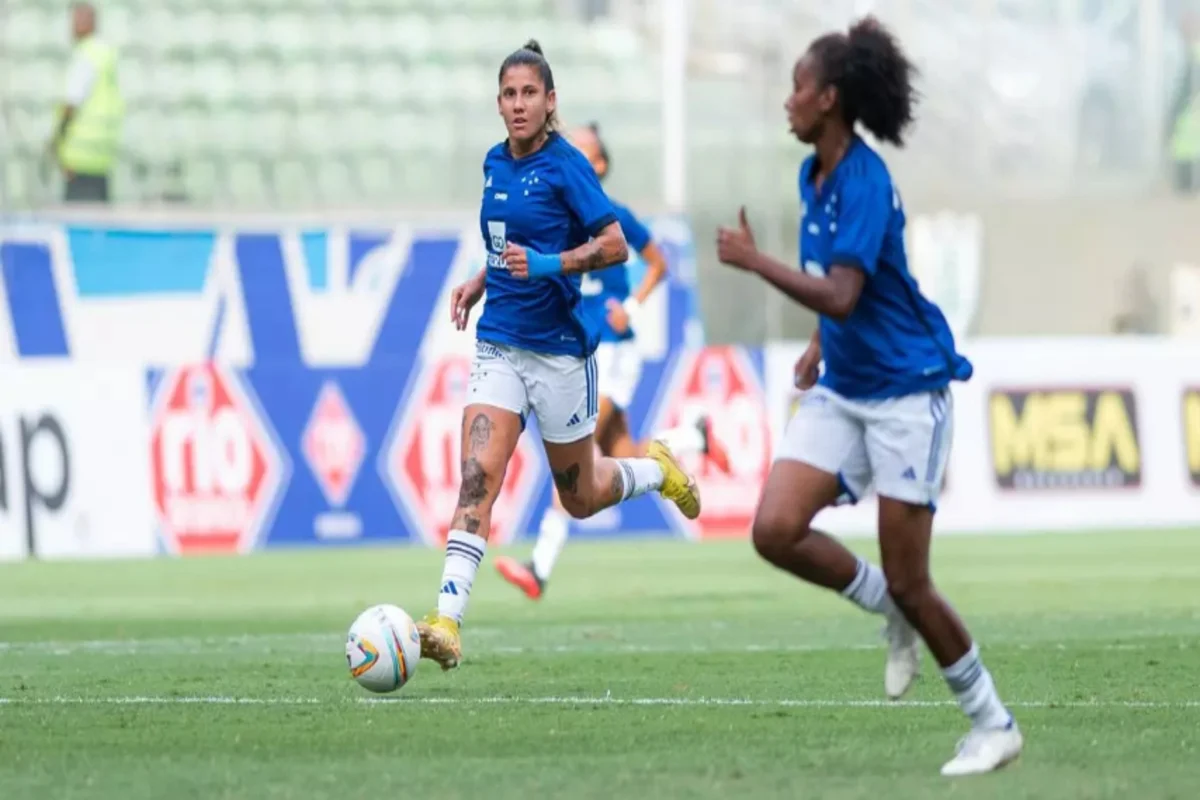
1184, 128
87, 138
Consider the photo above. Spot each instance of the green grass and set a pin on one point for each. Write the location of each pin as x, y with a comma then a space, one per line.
617, 685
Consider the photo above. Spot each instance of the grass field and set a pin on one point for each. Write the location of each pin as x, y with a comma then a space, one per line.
650, 670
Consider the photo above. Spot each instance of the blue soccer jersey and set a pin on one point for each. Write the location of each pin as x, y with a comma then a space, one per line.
549, 201
896, 342
612, 283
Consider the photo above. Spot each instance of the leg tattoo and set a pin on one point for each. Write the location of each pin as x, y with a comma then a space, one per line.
616, 490
479, 434
567, 481
474, 484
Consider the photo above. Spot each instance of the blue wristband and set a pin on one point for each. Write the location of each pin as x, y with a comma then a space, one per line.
543, 266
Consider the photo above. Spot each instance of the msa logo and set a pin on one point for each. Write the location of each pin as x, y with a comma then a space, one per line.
1191, 432
1065, 438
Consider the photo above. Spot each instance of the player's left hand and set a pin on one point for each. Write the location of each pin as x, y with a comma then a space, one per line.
736, 246
464, 298
517, 260
618, 318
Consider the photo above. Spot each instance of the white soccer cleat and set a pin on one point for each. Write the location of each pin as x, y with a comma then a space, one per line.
985, 750
904, 656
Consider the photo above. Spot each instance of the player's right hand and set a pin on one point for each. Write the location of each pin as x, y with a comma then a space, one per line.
808, 368
463, 299
618, 317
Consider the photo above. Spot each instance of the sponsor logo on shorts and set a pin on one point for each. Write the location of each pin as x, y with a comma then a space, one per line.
811, 398
486, 350
1062, 437
1191, 432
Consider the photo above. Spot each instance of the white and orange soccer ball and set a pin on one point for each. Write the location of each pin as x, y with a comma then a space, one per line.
383, 648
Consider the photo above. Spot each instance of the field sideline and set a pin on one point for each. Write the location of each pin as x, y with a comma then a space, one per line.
651, 669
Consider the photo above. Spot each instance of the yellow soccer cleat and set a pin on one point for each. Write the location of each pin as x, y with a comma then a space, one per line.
440, 641
677, 486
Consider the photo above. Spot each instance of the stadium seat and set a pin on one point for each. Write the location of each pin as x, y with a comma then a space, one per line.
375, 97
246, 185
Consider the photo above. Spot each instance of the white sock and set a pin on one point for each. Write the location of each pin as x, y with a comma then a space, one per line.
638, 476
683, 440
972, 684
552, 536
464, 553
869, 589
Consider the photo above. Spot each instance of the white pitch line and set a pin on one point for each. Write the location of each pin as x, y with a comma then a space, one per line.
602, 700
311, 643
306, 642
739, 701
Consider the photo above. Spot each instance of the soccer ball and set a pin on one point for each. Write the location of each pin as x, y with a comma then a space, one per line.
383, 648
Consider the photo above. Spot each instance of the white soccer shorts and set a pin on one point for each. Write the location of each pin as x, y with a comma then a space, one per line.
620, 369
901, 445
560, 390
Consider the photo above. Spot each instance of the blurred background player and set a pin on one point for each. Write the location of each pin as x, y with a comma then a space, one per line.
883, 410
87, 133
610, 303
1183, 126
545, 220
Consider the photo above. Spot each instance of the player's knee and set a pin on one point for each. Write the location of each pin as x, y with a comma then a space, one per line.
909, 588
577, 505
775, 534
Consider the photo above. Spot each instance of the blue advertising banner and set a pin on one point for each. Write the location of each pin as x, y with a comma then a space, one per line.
304, 385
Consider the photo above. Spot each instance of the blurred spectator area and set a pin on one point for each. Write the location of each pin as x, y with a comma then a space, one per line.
302, 103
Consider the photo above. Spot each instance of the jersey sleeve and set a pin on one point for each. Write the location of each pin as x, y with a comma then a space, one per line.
582, 193
864, 210
80, 77
637, 235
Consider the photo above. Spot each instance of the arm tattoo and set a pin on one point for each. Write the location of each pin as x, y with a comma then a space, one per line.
585, 258
479, 434
567, 481
606, 249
